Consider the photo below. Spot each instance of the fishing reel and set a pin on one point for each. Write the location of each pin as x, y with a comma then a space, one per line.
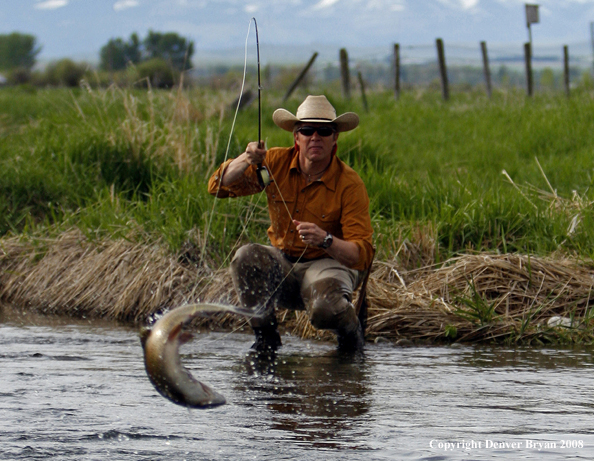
261, 171
263, 176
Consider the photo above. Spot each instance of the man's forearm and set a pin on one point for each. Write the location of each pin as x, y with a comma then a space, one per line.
344, 252
235, 170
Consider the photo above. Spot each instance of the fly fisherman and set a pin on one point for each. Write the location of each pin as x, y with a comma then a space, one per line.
320, 229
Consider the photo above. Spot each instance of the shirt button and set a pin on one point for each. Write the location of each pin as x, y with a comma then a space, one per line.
296, 211
273, 196
323, 216
292, 231
302, 190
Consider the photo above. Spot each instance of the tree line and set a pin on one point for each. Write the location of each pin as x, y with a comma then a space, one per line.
176, 51
158, 58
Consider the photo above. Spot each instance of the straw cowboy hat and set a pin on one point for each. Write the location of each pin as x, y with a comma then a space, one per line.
315, 109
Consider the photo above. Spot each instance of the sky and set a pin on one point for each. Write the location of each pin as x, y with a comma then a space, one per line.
79, 28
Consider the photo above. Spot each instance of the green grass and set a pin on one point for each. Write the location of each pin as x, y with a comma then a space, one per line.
133, 163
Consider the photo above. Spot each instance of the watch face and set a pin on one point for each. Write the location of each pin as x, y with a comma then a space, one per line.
327, 241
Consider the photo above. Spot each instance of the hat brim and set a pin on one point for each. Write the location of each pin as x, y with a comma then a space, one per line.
287, 121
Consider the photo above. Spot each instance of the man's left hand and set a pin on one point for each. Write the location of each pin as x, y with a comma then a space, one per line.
310, 233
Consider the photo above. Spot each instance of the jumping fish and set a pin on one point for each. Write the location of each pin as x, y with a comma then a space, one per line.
161, 345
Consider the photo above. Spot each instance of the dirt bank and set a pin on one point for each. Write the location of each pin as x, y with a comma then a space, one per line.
480, 297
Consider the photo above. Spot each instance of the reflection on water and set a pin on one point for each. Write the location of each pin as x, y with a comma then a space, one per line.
75, 390
313, 398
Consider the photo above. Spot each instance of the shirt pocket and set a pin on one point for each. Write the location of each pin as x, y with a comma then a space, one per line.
325, 216
279, 200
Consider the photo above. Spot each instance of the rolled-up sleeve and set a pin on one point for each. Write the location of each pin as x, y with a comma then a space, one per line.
247, 184
356, 224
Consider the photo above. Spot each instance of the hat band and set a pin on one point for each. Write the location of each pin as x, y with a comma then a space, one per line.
315, 118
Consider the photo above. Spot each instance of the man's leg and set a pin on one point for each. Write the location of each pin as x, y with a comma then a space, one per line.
258, 272
328, 289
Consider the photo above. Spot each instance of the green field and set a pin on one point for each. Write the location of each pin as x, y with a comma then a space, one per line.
115, 163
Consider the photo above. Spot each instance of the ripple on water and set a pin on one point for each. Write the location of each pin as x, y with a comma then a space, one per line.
78, 390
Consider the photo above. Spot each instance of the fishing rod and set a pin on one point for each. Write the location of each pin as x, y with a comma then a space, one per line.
261, 171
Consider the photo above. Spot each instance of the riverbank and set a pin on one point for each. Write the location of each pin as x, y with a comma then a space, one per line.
505, 298
482, 208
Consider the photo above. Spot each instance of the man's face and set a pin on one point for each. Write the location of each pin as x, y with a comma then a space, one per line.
313, 146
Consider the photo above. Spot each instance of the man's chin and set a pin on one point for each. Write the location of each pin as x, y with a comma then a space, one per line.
318, 153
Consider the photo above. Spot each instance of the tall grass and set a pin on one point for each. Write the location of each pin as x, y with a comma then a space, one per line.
134, 164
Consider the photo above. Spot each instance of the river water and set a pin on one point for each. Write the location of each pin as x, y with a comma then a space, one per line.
77, 390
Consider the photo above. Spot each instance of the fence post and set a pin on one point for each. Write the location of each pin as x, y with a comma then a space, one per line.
528, 59
300, 76
344, 72
442, 69
566, 69
397, 71
362, 85
486, 69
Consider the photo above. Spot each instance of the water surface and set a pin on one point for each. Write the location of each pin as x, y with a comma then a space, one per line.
77, 390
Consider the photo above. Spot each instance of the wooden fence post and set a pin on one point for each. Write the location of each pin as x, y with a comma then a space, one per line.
442, 69
362, 85
566, 69
300, 76
528, 59
486, 69
344, 72
397, 71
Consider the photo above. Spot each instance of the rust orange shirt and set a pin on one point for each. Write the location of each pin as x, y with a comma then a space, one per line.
337, 203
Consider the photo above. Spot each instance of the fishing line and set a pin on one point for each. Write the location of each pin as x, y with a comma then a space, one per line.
207, 231
209, 224
264, 180
263, 174
260, 167
285, 204
261, 171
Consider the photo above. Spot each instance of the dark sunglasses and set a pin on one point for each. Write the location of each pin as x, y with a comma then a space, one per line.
323, 131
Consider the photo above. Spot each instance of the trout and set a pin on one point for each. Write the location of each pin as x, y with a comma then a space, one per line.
163, 366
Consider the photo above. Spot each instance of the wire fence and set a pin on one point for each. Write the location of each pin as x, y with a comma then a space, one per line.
465, 66
418, 65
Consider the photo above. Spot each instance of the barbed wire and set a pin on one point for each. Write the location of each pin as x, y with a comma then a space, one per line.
464, 61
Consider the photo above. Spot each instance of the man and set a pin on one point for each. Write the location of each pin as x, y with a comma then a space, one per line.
320, 229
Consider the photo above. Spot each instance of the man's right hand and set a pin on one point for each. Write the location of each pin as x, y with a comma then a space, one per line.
253, 155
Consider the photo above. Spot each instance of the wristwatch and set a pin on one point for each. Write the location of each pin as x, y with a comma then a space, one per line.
327, 241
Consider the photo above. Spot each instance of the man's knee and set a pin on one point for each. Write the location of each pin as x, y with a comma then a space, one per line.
329, 305
255, 274
254, 263
248, 255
